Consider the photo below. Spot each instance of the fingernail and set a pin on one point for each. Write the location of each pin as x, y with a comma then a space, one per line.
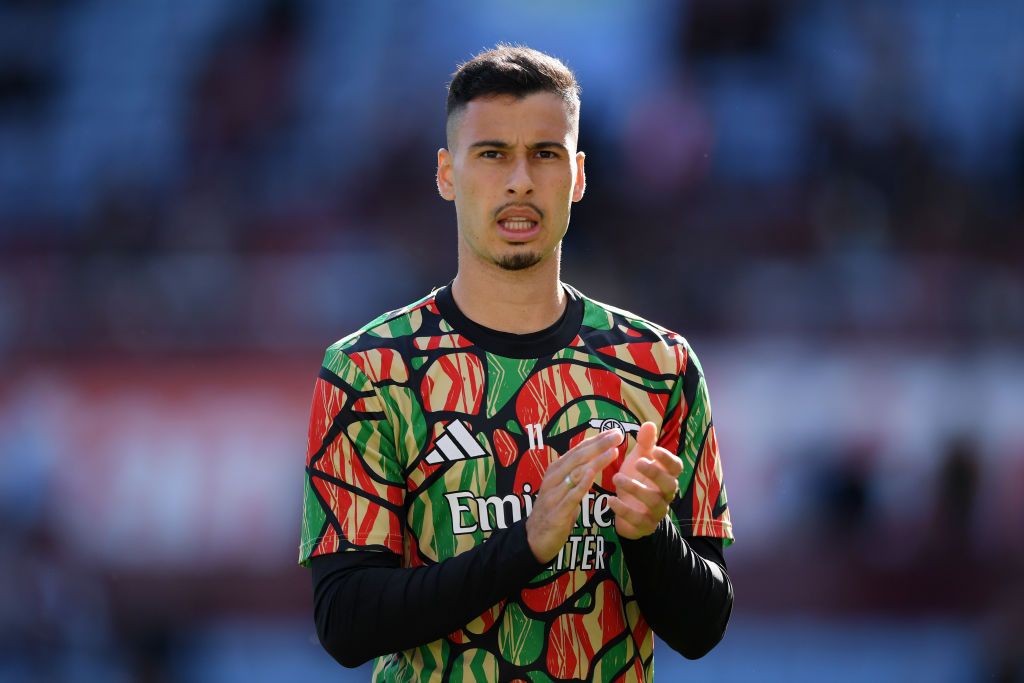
615, 435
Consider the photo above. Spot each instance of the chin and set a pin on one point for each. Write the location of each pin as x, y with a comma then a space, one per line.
520, 261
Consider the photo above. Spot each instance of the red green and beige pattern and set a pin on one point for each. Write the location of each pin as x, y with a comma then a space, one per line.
423, 444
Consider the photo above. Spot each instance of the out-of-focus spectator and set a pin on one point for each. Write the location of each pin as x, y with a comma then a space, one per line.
834, 191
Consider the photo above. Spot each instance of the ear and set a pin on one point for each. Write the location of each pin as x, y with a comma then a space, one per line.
445, 187
581, 178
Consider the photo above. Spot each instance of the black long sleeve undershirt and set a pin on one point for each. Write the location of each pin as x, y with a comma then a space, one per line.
682, 587
366, 605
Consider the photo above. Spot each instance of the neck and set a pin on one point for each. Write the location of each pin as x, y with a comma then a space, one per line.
516, 301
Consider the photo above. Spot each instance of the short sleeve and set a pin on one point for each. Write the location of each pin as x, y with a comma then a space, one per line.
701, 508
354, 489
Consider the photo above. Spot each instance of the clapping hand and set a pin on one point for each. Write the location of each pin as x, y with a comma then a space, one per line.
565, 483
646, 483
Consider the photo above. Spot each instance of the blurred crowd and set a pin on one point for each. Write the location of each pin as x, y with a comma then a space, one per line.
198, 183
184, 175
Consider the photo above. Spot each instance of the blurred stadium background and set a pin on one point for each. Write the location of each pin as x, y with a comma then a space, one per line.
198, 196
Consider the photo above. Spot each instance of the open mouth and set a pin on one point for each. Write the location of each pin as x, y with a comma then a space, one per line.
517, 224
518, 230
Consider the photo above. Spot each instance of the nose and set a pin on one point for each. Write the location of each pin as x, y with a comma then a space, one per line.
520, 182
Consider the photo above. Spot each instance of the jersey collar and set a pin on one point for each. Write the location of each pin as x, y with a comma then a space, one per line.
531, 345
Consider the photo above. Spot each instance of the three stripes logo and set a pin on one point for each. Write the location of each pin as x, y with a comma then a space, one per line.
455, 443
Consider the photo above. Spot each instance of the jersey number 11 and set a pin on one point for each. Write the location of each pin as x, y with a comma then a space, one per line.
536, 436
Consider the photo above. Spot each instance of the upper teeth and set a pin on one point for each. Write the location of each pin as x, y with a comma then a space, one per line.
518, 223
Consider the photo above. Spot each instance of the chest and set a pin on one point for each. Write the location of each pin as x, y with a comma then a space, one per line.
484, 430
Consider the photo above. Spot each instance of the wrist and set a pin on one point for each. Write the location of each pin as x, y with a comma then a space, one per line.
539, 553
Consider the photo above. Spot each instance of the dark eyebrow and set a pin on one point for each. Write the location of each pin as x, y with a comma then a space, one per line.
501, 144
549, 145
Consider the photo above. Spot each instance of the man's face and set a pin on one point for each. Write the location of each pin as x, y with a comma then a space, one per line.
513, 171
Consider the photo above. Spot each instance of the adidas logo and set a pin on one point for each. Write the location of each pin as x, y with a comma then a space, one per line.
455, 443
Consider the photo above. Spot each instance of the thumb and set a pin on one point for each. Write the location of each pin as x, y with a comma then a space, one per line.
646, 439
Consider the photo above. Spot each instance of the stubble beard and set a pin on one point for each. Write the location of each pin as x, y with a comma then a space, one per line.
520, 261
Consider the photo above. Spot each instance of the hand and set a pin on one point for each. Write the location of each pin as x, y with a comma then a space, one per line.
645, 485
565, 482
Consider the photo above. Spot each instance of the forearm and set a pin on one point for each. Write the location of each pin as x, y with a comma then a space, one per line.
365, 605
686, 598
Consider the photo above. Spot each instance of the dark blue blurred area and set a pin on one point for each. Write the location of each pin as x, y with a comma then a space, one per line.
196, 197
167, 164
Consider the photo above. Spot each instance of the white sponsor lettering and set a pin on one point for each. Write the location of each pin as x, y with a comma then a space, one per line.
507, 510
471, 513
497, 504
457, 508
600, 510
581, 552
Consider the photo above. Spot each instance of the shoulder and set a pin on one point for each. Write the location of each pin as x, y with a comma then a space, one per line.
600, 315
611, 325
377, 349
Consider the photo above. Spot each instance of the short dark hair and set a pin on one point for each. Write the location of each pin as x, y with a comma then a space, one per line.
512, 70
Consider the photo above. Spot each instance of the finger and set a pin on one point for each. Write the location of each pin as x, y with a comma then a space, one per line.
658, 477
583, 477
610, 436
640, 519
628, 530
598, 465
650, 497
587, 449
671, 462
646, 438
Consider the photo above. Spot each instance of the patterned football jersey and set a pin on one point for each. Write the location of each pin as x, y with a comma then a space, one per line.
429, 433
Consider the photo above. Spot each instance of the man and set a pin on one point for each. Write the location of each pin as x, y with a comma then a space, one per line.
507, 480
